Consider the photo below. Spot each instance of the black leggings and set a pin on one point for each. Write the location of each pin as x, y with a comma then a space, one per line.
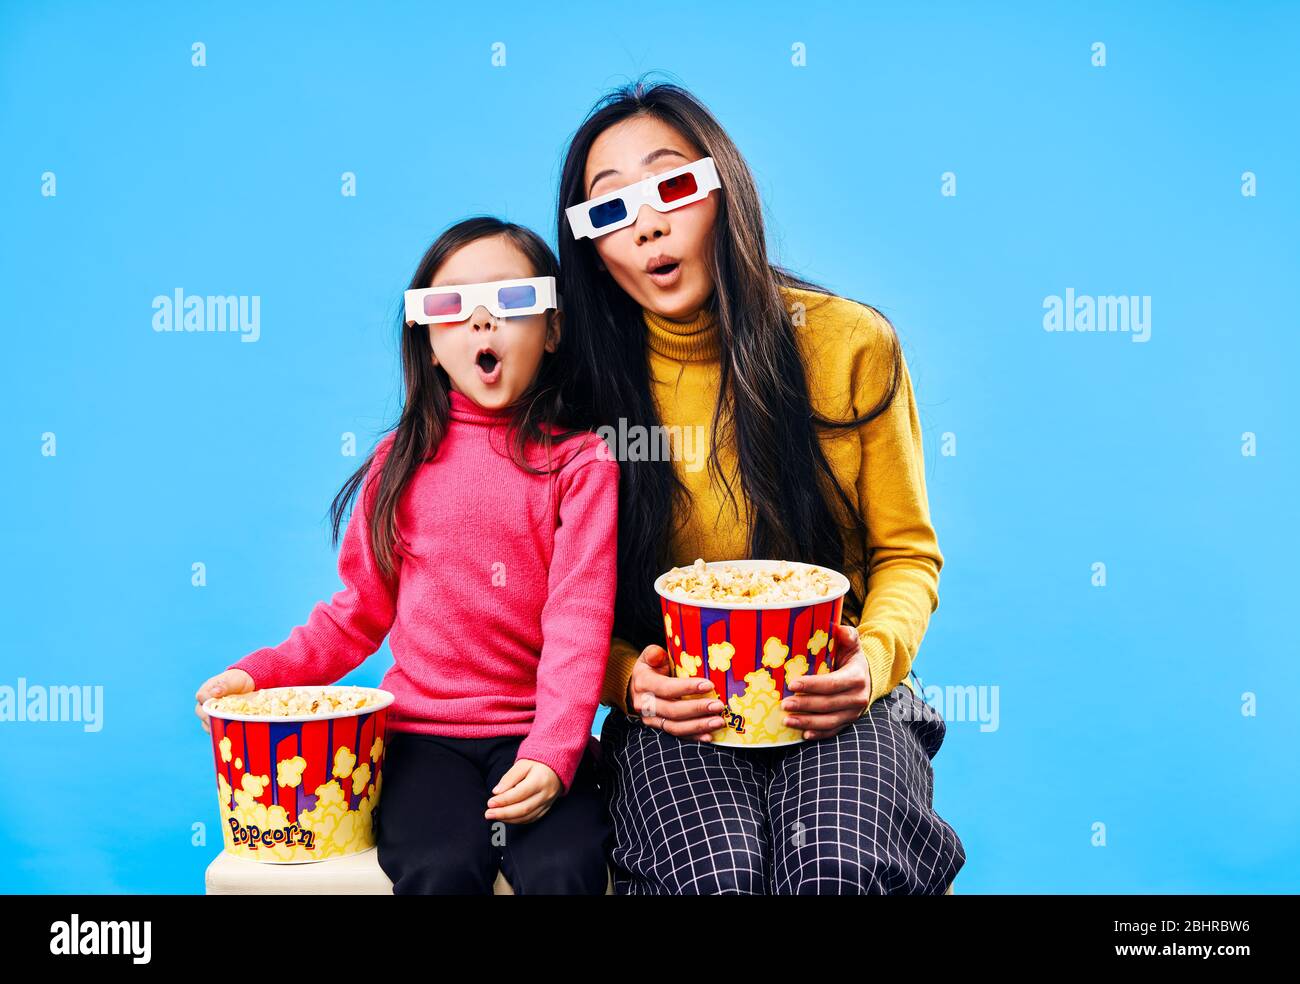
433, 839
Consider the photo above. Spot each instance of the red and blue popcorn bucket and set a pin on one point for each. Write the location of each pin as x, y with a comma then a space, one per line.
750, 650
299, 787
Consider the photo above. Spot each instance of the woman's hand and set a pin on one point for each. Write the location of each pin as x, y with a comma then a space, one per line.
828, 702
229, 682
524, 793
660, 698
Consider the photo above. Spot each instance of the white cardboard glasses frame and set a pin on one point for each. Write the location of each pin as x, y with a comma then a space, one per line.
618, 209
503, 298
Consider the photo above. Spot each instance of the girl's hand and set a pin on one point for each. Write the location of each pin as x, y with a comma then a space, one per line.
829, 702
661, 699
524, 793
229, 682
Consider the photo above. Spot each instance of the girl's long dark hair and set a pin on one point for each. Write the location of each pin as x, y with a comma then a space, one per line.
425, 412
798, 511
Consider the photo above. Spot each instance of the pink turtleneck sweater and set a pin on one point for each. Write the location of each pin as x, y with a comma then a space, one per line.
501, 612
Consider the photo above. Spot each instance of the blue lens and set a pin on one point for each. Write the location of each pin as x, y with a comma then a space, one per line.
607, 213
517, 297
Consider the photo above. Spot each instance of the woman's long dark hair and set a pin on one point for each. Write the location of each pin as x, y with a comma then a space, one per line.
425, 412
766, 411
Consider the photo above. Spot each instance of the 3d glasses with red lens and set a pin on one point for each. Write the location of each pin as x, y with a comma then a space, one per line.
502, 298
662, 192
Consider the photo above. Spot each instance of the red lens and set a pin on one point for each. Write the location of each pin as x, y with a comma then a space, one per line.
436, 305
682, 186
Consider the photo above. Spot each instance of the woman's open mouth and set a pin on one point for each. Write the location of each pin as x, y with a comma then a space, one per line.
488, 364
665, 273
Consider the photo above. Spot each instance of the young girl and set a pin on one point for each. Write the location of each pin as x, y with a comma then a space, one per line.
487, 547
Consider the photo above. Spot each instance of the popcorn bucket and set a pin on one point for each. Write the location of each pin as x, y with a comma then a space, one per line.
749, 650
299, 787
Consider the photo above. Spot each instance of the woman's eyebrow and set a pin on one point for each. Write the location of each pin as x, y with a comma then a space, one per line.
646, 161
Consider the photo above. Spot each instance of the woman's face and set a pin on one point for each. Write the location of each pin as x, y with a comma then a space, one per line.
663, 259
491, 360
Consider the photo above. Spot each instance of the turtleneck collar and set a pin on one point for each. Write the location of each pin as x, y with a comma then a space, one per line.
463, 408
695, 340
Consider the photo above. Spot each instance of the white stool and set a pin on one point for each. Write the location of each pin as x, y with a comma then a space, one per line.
357, 874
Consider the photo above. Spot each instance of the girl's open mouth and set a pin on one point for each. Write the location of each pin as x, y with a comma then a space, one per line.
488, 364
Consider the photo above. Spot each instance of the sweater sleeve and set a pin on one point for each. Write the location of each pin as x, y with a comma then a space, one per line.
903, 569
622, 659
577, 619
338, 635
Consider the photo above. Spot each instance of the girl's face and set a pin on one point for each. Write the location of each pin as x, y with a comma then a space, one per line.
488, 359
662, 259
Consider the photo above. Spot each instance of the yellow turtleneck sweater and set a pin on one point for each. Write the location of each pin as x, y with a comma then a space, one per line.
844, 346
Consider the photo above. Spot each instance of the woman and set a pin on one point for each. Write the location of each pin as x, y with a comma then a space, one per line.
814, 455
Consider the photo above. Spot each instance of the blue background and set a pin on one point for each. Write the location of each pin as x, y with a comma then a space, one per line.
1118, 705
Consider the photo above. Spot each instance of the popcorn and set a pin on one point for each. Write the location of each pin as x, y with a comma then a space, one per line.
328, 830
361, 777
757, 625
775, 652
720, 656
344, 762
253, 786
288, 772
312, 786
296, 701
688, 665
779, 582
760, 714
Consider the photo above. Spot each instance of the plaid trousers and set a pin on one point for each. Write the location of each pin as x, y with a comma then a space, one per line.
850, 814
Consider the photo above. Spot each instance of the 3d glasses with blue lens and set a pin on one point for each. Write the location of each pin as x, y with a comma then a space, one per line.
662, 192
502, 298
